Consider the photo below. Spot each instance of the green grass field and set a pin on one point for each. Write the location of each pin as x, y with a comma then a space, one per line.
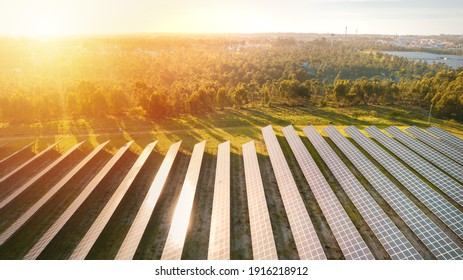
236, 125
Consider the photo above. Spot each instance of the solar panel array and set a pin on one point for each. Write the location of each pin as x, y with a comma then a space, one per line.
27, 162
84, 246
44, 199
392, 239
441, 161
173, 247
306, 239
432, 236
263, 243
349, 239
450, 215
441, 150
448, 150
34, 179
446, 136
132, 239
449, 186
41, 244
219, 240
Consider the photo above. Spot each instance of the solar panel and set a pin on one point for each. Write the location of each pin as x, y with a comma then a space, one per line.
449, 186
27, 162
33, 209
133, 237
219, 240
350, 241
263, 243
435, 143
4, 145
430, 234
17, 152
450, 215
392, 239
443, 162
34, 179
446, 136
307, 243
84, 246
173, 247
40, 245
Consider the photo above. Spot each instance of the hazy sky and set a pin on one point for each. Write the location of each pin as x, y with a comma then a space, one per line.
56, 17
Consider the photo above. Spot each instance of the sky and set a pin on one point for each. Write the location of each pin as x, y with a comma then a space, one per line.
72, 17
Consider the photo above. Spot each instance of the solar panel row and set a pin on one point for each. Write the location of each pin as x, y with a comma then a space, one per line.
41, 244
173, 247
349, 239
392, 239
441, 161
451, 152
219, 240
432, 236
449, 186
263, 243
34, 179
27, 162
450, 215
44, 199
132, 239
84, 246
4, 145
17, 152
305, 236
446, 136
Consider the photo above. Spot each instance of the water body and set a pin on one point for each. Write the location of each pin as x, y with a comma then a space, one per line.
453, 61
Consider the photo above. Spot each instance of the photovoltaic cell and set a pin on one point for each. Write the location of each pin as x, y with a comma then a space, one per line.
450, 215
219, 240
133, 237
441, 161
263, 243
449, 186
173, 247
446, 136
429, 233
350, 241
392, 239
17, 152
33, 209
34, 179
27, 162
448, 150
306, 239
41, 244
82, 249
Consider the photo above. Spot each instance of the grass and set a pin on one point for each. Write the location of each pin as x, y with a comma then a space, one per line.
237, 125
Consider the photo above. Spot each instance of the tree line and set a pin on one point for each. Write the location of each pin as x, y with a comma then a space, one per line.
163, 77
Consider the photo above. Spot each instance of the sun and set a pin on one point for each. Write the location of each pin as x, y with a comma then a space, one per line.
42, 21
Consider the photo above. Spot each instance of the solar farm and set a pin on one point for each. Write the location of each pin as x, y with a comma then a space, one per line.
294, 193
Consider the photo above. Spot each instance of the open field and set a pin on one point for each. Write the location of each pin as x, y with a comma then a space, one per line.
237, 125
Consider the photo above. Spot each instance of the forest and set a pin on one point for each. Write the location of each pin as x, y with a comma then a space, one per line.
165, 76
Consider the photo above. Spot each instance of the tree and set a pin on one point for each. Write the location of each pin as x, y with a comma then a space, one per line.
221, 98
240, 95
